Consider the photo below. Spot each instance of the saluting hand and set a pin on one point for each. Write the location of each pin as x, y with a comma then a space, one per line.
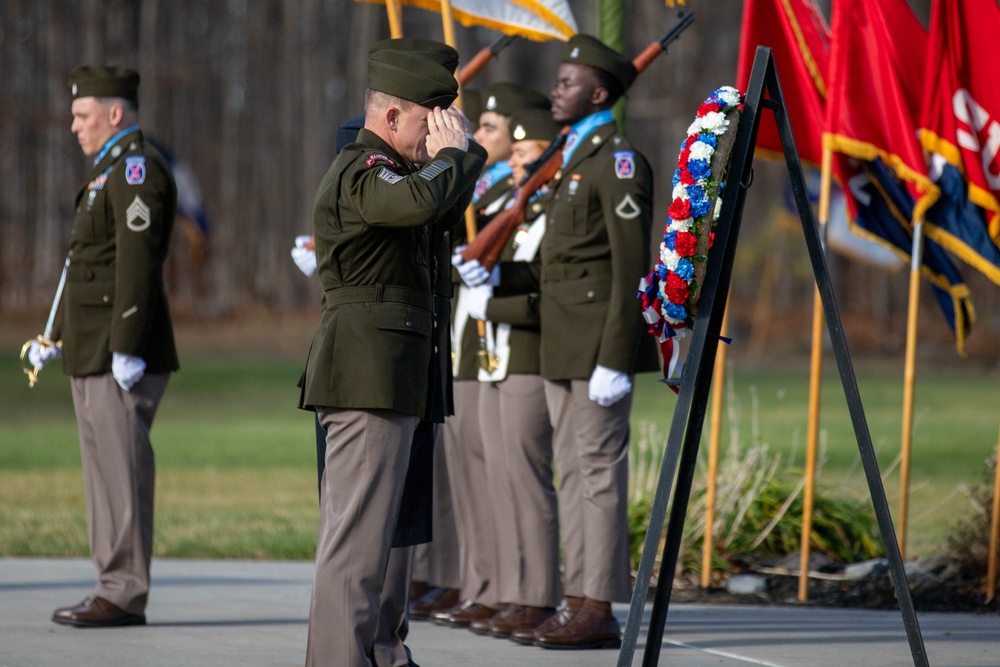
447, 128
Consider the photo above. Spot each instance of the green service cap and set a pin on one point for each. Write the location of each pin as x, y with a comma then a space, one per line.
87, 81
588, 50
411, 76
533, 124
440, 53
506, 98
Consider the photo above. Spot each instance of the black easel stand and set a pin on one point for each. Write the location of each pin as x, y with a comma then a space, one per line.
696, 380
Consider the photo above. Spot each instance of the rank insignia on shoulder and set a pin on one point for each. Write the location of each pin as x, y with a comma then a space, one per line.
135, 170
375, 158
434, 169
624, 164
137, 217
627, 209
390, 177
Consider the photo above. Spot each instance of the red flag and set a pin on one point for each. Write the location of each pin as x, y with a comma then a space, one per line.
961, 124
878, 53
799, 38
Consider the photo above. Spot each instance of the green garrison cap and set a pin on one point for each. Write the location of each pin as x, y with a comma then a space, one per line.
87, 81
506, 98
533, 124
440, 53
588, 50
411, 76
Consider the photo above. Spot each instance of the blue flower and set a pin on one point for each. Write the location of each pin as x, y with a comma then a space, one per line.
700, 205
669, 239
675, 311
685, 269
700, 169
709, 138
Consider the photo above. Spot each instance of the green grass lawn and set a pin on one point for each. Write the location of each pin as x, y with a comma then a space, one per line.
236, 467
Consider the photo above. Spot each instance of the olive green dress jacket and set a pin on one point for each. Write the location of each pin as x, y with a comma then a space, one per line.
375, 218
114, 299
595, 250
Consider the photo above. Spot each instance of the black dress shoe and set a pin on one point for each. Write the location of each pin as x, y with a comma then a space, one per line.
96, 612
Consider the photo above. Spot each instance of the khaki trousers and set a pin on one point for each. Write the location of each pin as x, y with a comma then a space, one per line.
591, 452
367, 453
119, 474
517, 439
470, 498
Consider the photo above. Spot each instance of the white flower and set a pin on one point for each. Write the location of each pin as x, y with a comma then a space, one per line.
718, 208
669, 257
701, 151
729, 96
681, 225
714, 122
680, 192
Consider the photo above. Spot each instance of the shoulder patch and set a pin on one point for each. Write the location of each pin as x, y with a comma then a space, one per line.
376, 158
137, 216
390, 177
135, 170
627, 209
434, 169
624, 164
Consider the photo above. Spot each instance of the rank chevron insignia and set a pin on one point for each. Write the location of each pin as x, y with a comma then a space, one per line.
137, 210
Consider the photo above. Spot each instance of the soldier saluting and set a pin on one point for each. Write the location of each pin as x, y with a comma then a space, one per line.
377, 212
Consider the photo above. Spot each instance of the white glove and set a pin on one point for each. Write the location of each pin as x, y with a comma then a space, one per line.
607, 387
305, 258
477, 298
127, 369
39, 354
472, 272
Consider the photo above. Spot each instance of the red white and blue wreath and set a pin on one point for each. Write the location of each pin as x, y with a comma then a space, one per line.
670, 292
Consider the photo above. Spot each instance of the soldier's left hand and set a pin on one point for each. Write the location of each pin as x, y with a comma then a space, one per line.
127, 369
608, 386
477, 300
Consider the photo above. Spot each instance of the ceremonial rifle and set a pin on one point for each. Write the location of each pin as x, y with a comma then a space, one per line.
490, 240
487, 53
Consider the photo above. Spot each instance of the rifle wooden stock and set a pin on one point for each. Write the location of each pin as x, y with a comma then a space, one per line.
491, 239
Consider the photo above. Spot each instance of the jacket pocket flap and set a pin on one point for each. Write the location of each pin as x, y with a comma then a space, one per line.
401, 317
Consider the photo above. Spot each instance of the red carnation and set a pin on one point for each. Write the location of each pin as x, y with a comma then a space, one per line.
708, 107
685, 243
680, 209
686, 177
711, 239
677, 289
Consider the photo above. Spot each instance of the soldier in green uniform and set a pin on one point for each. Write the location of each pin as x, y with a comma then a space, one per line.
517, 435
378, 215
597, 240
474, 510
117, 338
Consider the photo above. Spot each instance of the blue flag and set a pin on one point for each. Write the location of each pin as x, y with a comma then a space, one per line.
884, 209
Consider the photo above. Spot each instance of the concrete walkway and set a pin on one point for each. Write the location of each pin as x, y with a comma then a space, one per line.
249, 614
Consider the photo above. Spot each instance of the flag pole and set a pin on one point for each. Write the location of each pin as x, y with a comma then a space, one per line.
991, 563
718, 387
395, 15
815, 382
916, 259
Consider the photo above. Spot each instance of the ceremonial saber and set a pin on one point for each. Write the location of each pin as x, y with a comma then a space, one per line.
46, 338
